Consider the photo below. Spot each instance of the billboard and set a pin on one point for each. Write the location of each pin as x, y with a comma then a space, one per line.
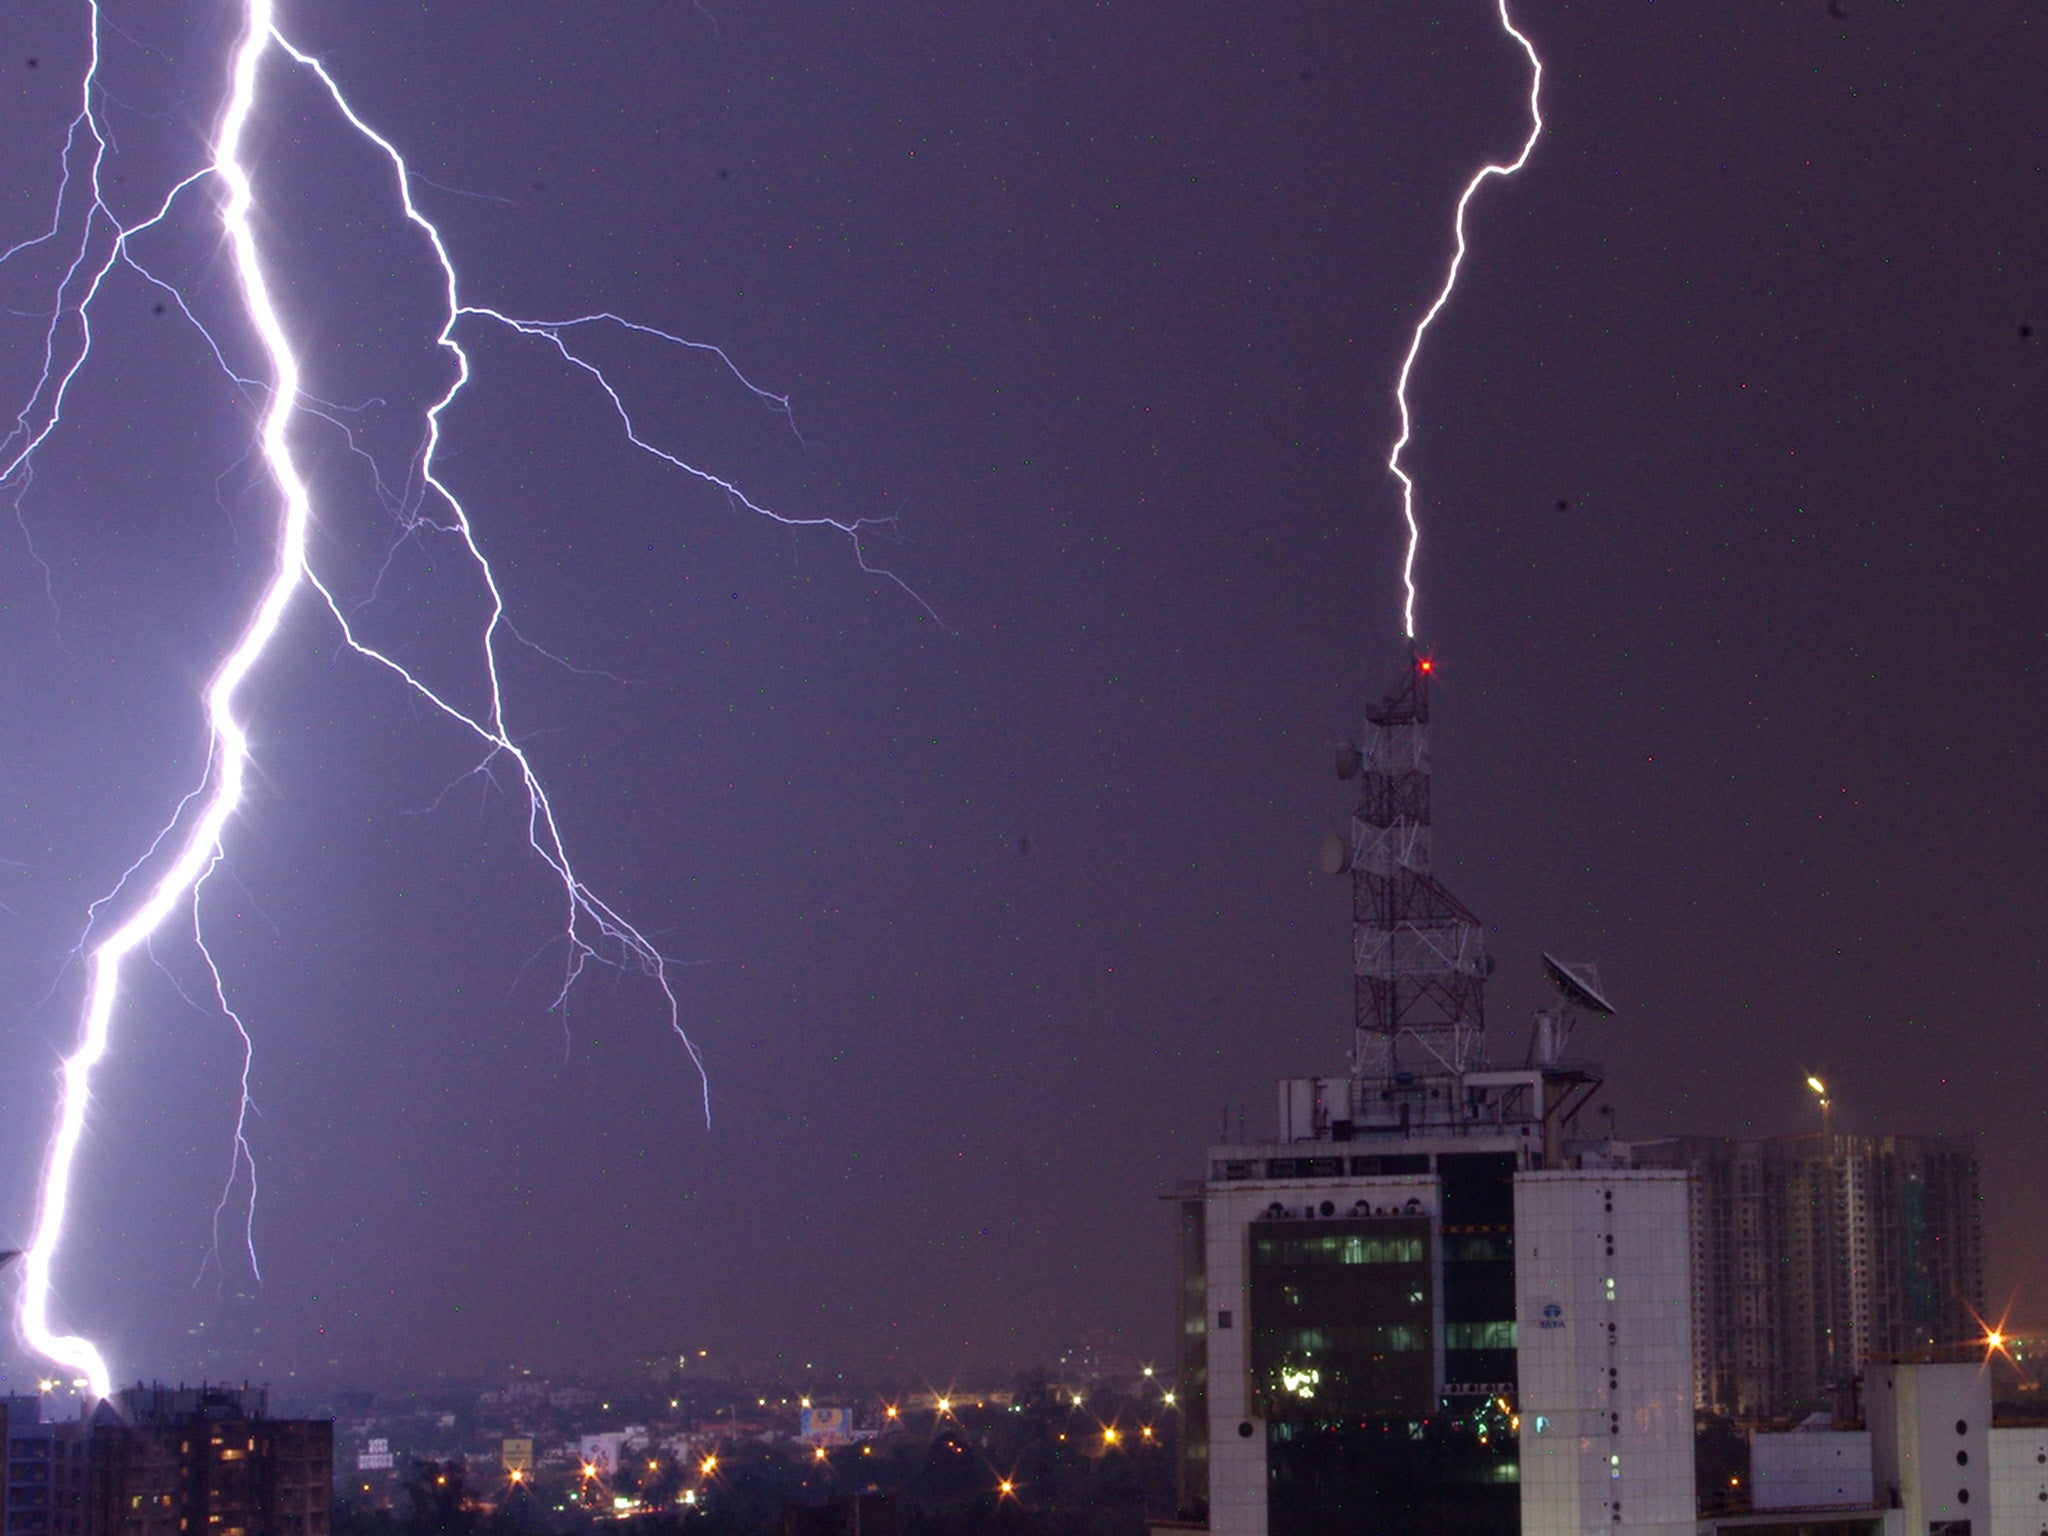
827, 1426
375, 1457
518, 1455
601, 1453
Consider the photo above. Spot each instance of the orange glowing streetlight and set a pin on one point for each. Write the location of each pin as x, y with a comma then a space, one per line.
1995, 1338
1827, 1104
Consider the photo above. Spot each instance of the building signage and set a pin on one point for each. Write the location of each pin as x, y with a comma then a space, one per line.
601, 1453
518, 1455
1550, 1315
827, 1426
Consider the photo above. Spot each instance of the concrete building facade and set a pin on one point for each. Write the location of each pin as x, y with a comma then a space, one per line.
1605, 1360
1931, 1462
157, 1461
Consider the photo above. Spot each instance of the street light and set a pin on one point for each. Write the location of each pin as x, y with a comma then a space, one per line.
1820, 1091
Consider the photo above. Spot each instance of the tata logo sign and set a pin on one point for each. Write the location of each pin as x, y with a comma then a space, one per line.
1551, 1315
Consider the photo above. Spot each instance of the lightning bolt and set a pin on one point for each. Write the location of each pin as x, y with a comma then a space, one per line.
1443, 297
169, 877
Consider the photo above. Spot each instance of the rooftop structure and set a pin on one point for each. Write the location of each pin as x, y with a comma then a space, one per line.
1430, 1304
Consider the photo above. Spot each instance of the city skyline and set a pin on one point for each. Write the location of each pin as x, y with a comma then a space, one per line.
1726, 447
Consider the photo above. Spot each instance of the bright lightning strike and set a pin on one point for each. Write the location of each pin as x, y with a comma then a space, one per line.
171, 874
1444, 297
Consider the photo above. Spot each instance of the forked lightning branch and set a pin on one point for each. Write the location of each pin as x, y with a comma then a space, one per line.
102, 238
101, 242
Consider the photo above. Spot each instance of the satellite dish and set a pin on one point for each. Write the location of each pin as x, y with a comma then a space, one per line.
1334, 857
1580, 985
1349, 760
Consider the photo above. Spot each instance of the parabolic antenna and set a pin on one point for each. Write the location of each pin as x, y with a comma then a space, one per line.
1580, 985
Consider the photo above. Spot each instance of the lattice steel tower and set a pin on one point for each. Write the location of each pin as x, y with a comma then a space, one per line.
1418, 953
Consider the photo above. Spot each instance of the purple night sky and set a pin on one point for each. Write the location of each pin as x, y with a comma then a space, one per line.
1732, 451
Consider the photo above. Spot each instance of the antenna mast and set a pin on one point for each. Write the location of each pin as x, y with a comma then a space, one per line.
1418, 953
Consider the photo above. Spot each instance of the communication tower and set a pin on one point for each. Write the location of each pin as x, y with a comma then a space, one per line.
1418, 953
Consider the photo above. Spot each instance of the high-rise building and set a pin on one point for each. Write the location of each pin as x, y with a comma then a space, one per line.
1814, 1254
211, 1459
48, 1489
1431, 1305
160, 1461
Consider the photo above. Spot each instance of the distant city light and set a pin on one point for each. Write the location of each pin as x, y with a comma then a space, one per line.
1109, 1435
1167, 1399
708, 1465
